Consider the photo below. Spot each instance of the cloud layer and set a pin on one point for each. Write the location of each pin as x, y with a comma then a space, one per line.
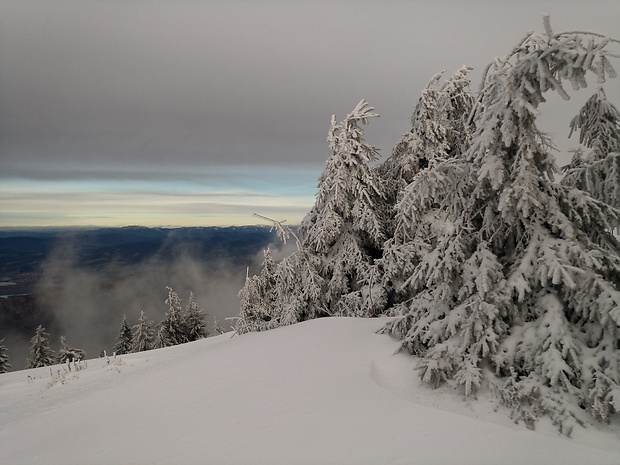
206, 196
159, 92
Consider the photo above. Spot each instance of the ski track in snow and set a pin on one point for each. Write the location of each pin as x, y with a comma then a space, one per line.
327, 391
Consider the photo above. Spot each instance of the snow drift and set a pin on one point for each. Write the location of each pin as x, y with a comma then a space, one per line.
327, 391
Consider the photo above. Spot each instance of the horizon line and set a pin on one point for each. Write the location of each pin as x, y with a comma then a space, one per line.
92, 227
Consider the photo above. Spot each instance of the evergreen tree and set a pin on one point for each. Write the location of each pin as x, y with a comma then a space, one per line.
299, 285
284, 293
598, 173
40, 352
345, 227
440, 128
195, 321
4, 358
124, 340
516, 280
425, 140
69, 354
162, 338
171, 330
142, 338
341, 237
598, 123
425, 167
258, 299
456, 104
299, 288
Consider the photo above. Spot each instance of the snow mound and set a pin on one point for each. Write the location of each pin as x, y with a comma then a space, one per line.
327, 391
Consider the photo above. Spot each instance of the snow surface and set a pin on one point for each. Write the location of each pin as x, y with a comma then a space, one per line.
327, 391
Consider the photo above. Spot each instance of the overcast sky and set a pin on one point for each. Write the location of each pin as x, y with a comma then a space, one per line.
202, 112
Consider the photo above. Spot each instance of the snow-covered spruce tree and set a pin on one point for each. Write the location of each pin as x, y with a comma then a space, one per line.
344, 229
425, 140
258, 299
4, 358
68, 354
456, 103
284, 293
299, 285
423, 160
517, 282
194, 321
331, 271
41, 354
598, 173
440, 128
161, 337
171, 330
124, 340
142, 338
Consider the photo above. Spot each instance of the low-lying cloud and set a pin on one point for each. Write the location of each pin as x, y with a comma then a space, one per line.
87, 303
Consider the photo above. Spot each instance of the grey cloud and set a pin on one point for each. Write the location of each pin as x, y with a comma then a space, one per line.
115, 83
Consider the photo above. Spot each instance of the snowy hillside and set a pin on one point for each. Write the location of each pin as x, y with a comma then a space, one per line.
323, 391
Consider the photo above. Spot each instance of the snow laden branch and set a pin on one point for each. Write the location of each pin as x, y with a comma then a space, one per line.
283, 231
361, 112
549, 60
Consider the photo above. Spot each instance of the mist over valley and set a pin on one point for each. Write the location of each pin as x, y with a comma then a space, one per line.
79, 283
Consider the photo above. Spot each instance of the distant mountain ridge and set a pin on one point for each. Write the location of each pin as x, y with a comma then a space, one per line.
22, 251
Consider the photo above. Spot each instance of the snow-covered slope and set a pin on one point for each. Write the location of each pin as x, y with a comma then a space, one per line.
328, 391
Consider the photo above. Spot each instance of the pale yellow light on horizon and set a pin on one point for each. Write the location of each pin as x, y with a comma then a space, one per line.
40, 209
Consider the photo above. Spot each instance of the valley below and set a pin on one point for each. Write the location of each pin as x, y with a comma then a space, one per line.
79, 283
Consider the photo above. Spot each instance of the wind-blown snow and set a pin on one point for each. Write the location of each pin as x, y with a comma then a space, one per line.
327, 391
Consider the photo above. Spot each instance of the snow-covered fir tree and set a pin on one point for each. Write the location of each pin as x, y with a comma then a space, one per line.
283, 293
4, 358
40, 352
124, 340
516, 280
300, 287
425, 140
456, 103
423, 171
258, 299
142, 338
68, 354
161, 337
195, 321
171, 330
339, 239
440, 128
598, 172
345, 227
